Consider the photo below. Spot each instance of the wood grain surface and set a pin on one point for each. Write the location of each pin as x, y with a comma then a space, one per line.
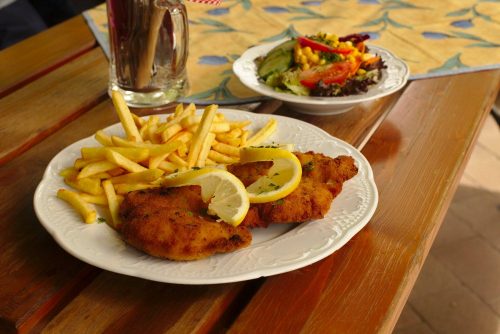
42, 53
417, 142
363, 287
209, 308
37, 274
47, 104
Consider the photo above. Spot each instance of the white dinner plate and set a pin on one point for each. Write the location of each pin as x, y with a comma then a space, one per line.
394, 77
275, 250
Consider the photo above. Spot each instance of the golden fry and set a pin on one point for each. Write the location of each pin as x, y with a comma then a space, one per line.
263, 133
80, 163
83, 208
244, 138
99, 153
225, 138
239, 124
183, 150
124, 162
88, 184
219, 127
161, 149
205, 148
69, 172
96, 168
168, 166
125, 116
201, 134
226, 149
113, 203
139, 121
183, 136
176, 159
221, 158
191, 120
94, 199
103, 138
170, 131
149, 175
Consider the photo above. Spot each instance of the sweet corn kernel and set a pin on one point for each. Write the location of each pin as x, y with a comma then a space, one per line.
307, 51
348, 43
366, 56
322, 62
314, 58
303, 59
360, 71
298, 51
305, 67
342, 57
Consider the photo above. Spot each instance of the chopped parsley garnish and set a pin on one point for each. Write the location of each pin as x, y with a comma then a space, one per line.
330, 57
101, 220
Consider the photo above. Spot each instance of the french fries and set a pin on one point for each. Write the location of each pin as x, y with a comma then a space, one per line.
125, 116
89, 215
151, 149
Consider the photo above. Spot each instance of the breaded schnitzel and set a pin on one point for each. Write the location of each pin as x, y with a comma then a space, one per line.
172, 223
322, 180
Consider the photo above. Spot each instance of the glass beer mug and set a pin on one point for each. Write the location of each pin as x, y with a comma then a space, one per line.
149, 49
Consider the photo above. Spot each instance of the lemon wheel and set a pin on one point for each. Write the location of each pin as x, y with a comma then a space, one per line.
225, 193
282, 178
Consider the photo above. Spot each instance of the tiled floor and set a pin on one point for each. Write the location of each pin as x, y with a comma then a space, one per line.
458, 290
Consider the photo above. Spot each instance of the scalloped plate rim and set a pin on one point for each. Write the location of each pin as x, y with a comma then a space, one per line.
39, 201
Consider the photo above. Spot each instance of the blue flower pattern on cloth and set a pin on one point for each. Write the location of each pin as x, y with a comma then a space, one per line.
462, 24
434, 35
218, 11
213, 60
276, 9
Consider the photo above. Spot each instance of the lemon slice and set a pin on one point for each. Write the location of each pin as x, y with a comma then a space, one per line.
282, 178
225, 192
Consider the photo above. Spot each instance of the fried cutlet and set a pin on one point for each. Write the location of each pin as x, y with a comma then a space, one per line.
322, 180
172, 223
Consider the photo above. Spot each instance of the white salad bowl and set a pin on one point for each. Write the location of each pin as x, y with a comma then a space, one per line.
394, 77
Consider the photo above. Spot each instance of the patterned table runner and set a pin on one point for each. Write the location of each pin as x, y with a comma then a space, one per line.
435, 38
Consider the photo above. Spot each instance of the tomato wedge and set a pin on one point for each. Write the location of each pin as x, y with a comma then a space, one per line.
304, 41
333, 73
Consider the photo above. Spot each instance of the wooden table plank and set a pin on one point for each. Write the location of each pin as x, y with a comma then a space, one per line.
121, 304
37, 276
42, 53
42, 107
355, 126
178, 308
363, 287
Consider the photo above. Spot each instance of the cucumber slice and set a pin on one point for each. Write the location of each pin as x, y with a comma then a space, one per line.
278, 60
285, 46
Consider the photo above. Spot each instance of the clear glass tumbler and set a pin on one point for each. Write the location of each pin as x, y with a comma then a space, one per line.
149, 49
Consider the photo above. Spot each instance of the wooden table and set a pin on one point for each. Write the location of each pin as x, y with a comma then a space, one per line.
53, 93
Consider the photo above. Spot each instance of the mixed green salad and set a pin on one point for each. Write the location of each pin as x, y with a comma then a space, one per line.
321, 65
